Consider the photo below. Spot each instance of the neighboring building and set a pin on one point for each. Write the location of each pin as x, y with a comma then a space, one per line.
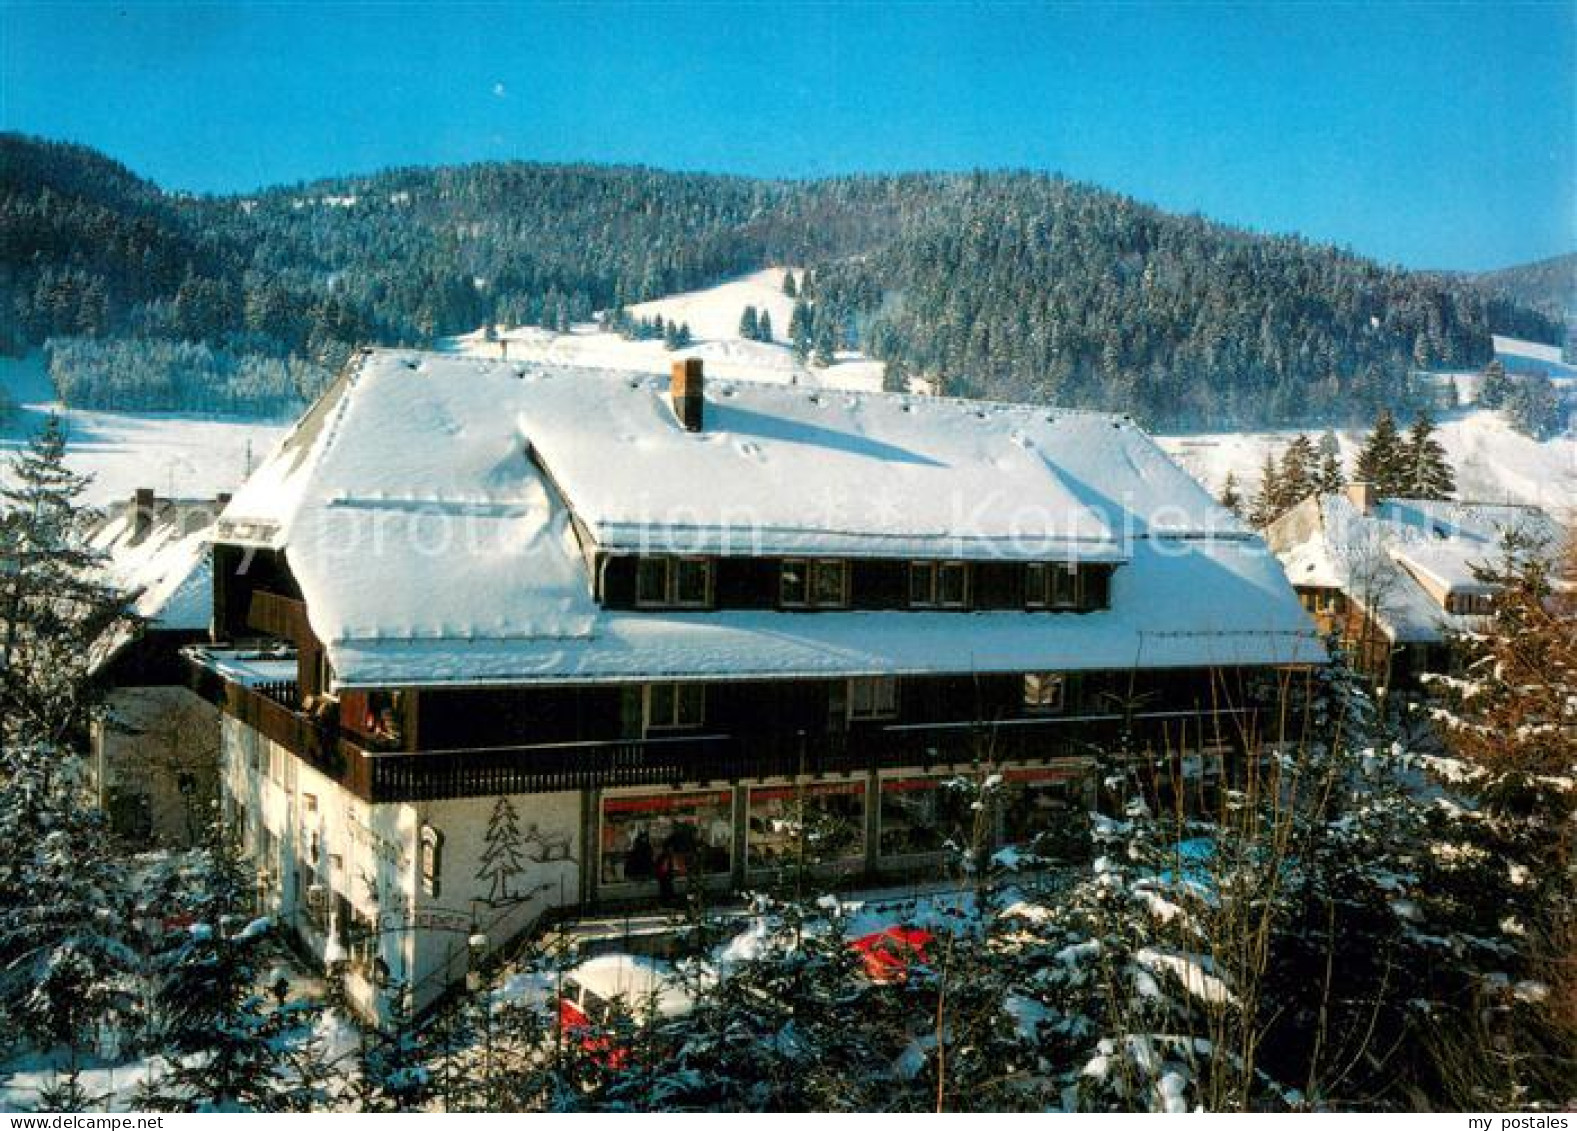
497, 638
1396, 578
155, 749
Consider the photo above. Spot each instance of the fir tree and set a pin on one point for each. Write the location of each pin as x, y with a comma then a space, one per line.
1496, 386
1231, 497
800, 328
764, 327
52, 607
748, 325
1297, 479
1381, 460
790, 289
1329, 478
1426, 472
1267, 502
1534, 407
237, 1043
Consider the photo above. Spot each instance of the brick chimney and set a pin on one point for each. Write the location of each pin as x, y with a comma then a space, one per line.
1362, 496
141, 513
686, 391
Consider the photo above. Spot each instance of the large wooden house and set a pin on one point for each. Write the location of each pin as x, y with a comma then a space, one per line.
497, 638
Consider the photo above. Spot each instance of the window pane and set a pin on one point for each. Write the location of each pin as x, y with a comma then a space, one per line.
660, 705
694, 575
651, 581
1065, 582
921, 815
952, 583
818, 823
829, 583
884, 696
691, 707
922, 580
793, 584
1043, 691
1034, 584
680, 834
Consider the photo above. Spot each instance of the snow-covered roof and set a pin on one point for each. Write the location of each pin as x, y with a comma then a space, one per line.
1389, 556
428, 508
165, 572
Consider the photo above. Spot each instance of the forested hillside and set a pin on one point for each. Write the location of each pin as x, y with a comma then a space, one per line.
1548, 286
1000, 285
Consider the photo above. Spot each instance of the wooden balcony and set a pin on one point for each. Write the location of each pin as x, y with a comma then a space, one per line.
675, 760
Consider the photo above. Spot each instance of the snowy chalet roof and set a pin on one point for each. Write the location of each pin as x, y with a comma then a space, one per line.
1387, 556
435, 509
166, 573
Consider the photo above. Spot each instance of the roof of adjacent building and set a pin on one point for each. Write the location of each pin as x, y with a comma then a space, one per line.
165, 572
1386, 557
434, 511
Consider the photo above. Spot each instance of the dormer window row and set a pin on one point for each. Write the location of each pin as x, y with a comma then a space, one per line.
804, 584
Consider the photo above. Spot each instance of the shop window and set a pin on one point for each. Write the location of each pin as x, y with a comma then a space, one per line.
873, 697
1045, 811
677, 835
919, 816
819, 823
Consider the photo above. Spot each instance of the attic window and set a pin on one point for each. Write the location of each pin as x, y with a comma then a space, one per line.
805, 583
938, 585
1052, 585
673, 583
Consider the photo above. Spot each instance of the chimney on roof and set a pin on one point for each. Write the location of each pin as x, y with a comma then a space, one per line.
141, 513
1363, 496
685, 388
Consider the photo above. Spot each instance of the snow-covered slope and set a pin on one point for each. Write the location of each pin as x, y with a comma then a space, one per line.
713, 318
1493, 462
1520, 356
176, 455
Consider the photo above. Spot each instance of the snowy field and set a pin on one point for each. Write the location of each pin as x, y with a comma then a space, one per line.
178, 455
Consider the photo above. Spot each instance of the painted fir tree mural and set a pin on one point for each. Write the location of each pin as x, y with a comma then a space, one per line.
504, 859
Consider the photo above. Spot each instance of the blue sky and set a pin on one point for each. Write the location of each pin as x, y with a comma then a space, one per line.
1425, 134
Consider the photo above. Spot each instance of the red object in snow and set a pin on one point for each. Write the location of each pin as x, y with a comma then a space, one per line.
889, 953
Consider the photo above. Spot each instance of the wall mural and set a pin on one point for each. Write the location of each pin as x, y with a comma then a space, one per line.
509, 852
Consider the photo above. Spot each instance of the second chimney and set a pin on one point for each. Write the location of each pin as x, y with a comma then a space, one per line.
141, 513
1362, 495
686, 391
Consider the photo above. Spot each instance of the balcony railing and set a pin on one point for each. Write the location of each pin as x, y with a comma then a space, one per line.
674, 760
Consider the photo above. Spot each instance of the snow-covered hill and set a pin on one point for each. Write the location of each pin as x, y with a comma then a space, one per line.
1493, 462
196, 456
713, 318
178, 455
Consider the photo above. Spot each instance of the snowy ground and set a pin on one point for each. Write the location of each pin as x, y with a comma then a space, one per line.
178, 455
1493, 462
713, 317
